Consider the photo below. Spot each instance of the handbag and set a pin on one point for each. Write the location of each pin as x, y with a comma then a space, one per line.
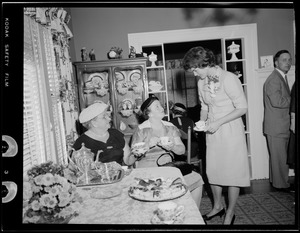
184, 167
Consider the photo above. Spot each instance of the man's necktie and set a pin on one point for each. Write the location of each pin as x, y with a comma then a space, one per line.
286, 80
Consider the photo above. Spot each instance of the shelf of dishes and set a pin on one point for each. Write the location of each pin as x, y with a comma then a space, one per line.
155, 86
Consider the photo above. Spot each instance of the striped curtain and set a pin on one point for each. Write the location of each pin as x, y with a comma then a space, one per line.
44, 130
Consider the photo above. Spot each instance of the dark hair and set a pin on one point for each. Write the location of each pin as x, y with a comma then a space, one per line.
145, 107
179, 109
277, 55
198, 57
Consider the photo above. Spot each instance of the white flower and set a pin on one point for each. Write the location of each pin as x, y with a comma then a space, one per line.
35, 205
34, 219
54, 190
112, 54
47, 179
38, 179
49, 194
48, 201
63, 202
27, 191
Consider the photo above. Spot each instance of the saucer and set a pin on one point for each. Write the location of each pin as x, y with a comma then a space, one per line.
176, 220
199, 129
166, 144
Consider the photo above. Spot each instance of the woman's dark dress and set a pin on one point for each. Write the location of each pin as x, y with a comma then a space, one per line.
112, 150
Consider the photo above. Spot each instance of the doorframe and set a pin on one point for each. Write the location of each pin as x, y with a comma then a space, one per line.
246, 31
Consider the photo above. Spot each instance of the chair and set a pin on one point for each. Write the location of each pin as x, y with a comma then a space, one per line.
195, 160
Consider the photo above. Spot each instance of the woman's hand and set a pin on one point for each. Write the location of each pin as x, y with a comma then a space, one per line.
292, 127
139, 150
169, 145
212, 127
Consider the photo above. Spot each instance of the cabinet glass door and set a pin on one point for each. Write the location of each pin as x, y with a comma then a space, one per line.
129, 92
94, 86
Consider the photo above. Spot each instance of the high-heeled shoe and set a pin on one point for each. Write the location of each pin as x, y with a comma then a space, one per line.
220, 213
232, 220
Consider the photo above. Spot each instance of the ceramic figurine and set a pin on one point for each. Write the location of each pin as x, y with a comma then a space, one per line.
233, 49
153, 59
83, 54
92, 55
132, 52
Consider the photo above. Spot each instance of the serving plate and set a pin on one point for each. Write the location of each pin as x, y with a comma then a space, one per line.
199, 129
155, 190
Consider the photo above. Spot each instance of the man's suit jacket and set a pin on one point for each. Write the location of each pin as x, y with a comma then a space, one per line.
277, 99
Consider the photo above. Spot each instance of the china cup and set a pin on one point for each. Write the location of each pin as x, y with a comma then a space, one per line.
139, 149
164, 140
168, 211
200, 125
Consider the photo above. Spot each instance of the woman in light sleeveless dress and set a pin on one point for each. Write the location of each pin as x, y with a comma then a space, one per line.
223, 103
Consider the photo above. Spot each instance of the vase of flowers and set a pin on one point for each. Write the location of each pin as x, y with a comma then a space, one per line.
115, 53
49, 196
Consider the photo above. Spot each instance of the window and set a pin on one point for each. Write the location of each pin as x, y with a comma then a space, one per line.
43, 130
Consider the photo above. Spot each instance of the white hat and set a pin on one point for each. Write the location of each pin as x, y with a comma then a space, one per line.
92, 111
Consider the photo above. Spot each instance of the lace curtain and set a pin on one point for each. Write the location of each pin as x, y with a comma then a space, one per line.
50, 102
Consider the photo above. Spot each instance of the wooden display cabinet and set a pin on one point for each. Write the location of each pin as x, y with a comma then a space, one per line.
121, 83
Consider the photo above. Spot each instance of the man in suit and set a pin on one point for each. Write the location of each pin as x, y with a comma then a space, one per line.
276, 124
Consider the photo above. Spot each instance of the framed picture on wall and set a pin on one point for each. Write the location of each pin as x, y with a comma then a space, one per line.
266, 61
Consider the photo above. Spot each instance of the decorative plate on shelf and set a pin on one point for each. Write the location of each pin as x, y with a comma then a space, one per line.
126, 107
96, 80
135, 75
119, 76
158, 189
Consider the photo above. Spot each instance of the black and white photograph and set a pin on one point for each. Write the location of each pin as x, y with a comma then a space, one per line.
123, 116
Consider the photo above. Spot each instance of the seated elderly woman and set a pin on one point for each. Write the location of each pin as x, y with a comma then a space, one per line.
151, 132
106, 143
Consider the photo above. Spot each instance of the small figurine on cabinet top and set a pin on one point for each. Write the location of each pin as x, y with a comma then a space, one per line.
92, 55
132, 52
83, 54
153, 59
233, 49
115, 53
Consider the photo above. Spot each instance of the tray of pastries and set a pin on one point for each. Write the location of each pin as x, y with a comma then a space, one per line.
157, 189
